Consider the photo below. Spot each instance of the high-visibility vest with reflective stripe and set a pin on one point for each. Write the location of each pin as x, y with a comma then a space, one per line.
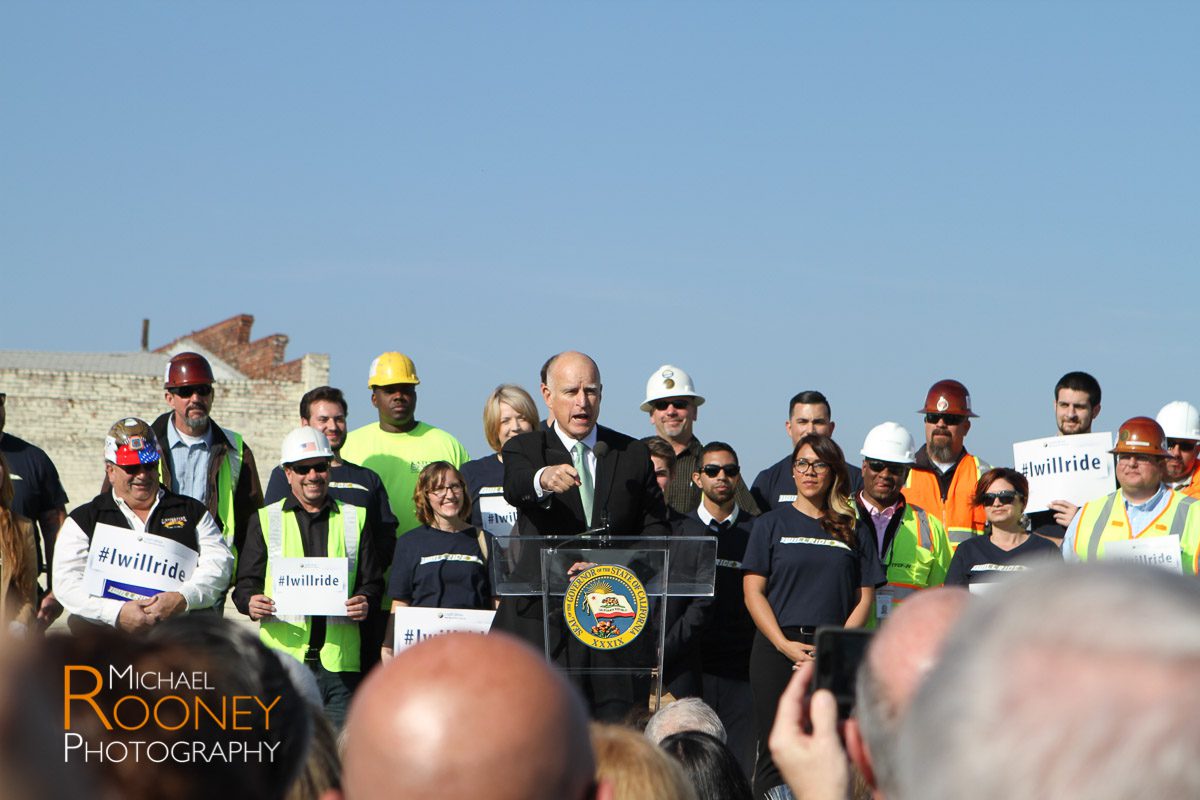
227, 480
340, 653
962, 518
1192, 487
917, 557
1104, 520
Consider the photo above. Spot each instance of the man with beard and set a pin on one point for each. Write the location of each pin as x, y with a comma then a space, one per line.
139, 503
201, 459
913, 545
672, 403
942, 480
1181, 422
1076, 406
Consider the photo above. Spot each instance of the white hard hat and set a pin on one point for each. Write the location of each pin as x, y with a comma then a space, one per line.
669, 381
303, 443
889, 441
1179, 420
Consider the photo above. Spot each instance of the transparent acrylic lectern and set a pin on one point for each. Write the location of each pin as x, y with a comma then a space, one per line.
605, 602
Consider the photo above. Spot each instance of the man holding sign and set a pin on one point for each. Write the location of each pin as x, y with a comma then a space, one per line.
1144, 520
308, 572
138, 554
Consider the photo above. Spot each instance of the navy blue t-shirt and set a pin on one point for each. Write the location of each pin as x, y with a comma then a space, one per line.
978, 560
775, 486
485, 484
812, 578
36, 486
437, 569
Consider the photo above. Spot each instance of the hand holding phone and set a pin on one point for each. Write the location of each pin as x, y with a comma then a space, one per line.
805, 743
839, 653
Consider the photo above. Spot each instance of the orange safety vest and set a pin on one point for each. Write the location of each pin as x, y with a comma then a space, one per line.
1192, 487
962, 518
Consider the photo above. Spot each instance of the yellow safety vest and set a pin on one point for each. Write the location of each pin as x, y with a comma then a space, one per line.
340, 653
918, 557
1105, 520
227, 480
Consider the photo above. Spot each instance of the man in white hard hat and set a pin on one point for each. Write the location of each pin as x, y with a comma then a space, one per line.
913, 544
1180, 420
672, 403
1076, 406
308, 523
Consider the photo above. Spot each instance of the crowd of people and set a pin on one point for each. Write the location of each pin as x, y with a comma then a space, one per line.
984, 619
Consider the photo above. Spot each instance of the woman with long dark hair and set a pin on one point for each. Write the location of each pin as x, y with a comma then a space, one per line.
18, 564
808, 564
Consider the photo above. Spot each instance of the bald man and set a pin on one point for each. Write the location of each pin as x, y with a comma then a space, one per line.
901, 654
468, 716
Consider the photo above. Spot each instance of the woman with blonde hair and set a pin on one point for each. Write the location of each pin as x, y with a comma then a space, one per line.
634, 768
808, 564
18, 563
508, 412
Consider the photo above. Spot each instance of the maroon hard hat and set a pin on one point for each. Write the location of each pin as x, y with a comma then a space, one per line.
1141, 435
188, 369
948, 397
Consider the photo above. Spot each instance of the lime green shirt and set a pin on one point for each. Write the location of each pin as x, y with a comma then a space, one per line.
398, 459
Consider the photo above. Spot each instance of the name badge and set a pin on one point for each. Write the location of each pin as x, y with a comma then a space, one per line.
1158, 551
883, 602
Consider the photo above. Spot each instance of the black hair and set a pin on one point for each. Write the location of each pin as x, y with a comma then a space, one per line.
327, 393
709, 765
809, 397
1080, 382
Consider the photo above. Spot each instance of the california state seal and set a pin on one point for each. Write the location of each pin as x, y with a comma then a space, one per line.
606, 607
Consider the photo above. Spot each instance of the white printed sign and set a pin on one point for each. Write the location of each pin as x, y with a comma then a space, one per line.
126, 565
301, 586
413, 625
498, 516
1073, 468
1156, 551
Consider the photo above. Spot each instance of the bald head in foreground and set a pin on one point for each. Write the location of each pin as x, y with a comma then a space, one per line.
467, 716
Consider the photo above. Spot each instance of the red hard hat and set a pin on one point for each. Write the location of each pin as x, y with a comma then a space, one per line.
948, 397
188, 369
1141, 435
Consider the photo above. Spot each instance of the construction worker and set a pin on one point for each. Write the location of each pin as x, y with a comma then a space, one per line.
913, 544
201, 459
309, 523
398, 447
672, 403
1180, 421
1144, 520
943, 477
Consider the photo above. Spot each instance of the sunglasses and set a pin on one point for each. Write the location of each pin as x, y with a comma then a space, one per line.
949, 419
303, 469
134, 469
803, 465
663, 405
187, 391
1005, 498
1184, 445
713, 470
880, 466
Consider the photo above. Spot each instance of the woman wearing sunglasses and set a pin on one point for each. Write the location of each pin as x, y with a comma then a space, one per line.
808, 563
444, 562
1007, 546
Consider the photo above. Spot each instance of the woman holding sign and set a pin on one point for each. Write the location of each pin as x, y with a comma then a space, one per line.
444, 562
18, 564
1007, 546
808, 563
509, 411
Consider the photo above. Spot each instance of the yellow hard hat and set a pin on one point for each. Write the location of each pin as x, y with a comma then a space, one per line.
390, 368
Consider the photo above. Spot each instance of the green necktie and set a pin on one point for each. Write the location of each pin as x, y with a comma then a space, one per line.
586, 488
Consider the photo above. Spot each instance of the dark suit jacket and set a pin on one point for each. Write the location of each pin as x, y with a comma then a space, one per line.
626, 497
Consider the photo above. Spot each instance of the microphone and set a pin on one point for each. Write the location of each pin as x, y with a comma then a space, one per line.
601, 450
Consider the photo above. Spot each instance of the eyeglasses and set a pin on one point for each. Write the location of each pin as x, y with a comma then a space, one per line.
320, 468
1005, 498
134, 469
880, 466
803, 465
713, 470
442, 491
949, 419
1136, 458
679, 403
204, 390
1184, 445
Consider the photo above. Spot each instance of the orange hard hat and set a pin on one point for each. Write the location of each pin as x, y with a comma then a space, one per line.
188, 369
948, 396
1141, 435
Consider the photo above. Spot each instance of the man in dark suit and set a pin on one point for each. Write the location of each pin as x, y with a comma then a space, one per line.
571, 477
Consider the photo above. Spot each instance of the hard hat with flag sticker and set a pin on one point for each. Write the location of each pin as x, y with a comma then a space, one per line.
304, 443
130, 442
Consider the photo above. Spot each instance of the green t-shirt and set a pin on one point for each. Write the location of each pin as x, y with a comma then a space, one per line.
398, 459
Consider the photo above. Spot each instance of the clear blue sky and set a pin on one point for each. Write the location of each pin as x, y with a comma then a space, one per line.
857, 197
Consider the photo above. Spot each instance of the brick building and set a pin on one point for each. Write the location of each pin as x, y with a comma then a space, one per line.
65, 402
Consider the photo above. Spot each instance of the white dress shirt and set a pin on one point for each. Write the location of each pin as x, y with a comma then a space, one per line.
589, 442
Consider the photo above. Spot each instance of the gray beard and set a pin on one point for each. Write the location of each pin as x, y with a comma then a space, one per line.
941, 453
196, 426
